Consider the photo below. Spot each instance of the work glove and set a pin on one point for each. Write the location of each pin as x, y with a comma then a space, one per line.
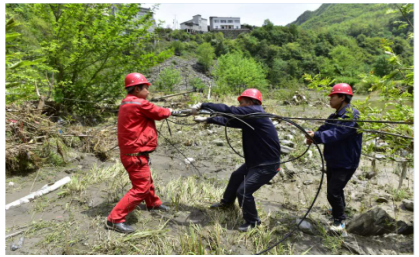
195, 108
176, 113
200, 119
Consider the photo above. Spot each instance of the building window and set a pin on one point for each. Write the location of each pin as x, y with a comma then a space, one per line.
223, 21
237, 21
230, 21
216, 27
216, 21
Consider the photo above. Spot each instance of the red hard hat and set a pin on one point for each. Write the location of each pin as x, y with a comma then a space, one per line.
251, 93
341, 88
134, 79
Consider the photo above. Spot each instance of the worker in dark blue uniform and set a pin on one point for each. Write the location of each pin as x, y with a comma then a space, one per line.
261, 153
342, 150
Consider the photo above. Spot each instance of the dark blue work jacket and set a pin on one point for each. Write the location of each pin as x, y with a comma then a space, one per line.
342, 145
261, 145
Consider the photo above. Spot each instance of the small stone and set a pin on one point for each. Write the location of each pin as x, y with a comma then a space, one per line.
179, 132
408, 204
218, 142
381, 199
310, 154
189, 160
286, 149
370, 175
308, 182
306, 227
11, 184
289, 137
287, 143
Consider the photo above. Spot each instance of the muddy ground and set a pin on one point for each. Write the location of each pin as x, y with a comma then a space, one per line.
71, 219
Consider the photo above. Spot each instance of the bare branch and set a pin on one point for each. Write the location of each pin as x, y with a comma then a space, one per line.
37, 90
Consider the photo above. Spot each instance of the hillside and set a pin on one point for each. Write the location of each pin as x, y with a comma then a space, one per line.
369, 19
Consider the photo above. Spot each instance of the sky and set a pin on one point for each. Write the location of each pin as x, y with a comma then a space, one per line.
253, 14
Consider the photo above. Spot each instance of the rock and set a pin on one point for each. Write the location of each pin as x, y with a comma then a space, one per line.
370, 175
11, 184
408, 204
70, 171
308, 182
306, 226
287, 143
210, 132
378, 222
286, 149
189, 160
179, 132
374, 222
289, 137
289, 170
383, 198
352, 245
309, 154
218, 142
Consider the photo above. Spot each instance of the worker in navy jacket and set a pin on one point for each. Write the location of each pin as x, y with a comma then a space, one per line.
261, 153
342, 150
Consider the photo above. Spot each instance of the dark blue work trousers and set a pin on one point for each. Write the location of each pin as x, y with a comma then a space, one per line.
243, 183
336, 181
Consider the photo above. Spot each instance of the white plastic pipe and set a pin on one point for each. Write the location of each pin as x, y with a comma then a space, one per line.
44, 190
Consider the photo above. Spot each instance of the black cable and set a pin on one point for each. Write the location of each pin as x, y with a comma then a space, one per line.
370, 131
361, 121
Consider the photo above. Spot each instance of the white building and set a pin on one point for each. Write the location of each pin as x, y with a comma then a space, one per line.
224, 23
196, 25
142, 12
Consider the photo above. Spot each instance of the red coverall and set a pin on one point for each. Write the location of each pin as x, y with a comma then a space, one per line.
137, 134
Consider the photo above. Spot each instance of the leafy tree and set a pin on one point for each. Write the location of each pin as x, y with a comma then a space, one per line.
206, 55
234, 72
90, 48
168, 78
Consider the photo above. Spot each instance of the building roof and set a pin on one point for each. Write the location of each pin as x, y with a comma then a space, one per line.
225, 17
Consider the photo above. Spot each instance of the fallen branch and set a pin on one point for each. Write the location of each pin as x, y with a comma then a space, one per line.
44, 190
15, 234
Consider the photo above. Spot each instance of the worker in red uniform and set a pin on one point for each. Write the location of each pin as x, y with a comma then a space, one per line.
137, 138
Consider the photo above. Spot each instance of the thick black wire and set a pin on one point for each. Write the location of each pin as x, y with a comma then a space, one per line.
362, 121
370, 131
268, 115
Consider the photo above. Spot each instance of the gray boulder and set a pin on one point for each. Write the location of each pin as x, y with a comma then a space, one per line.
378, 221
408, 204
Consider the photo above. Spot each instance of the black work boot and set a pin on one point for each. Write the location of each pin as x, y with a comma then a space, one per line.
119, 227
247, 226
221, 205
160, 208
